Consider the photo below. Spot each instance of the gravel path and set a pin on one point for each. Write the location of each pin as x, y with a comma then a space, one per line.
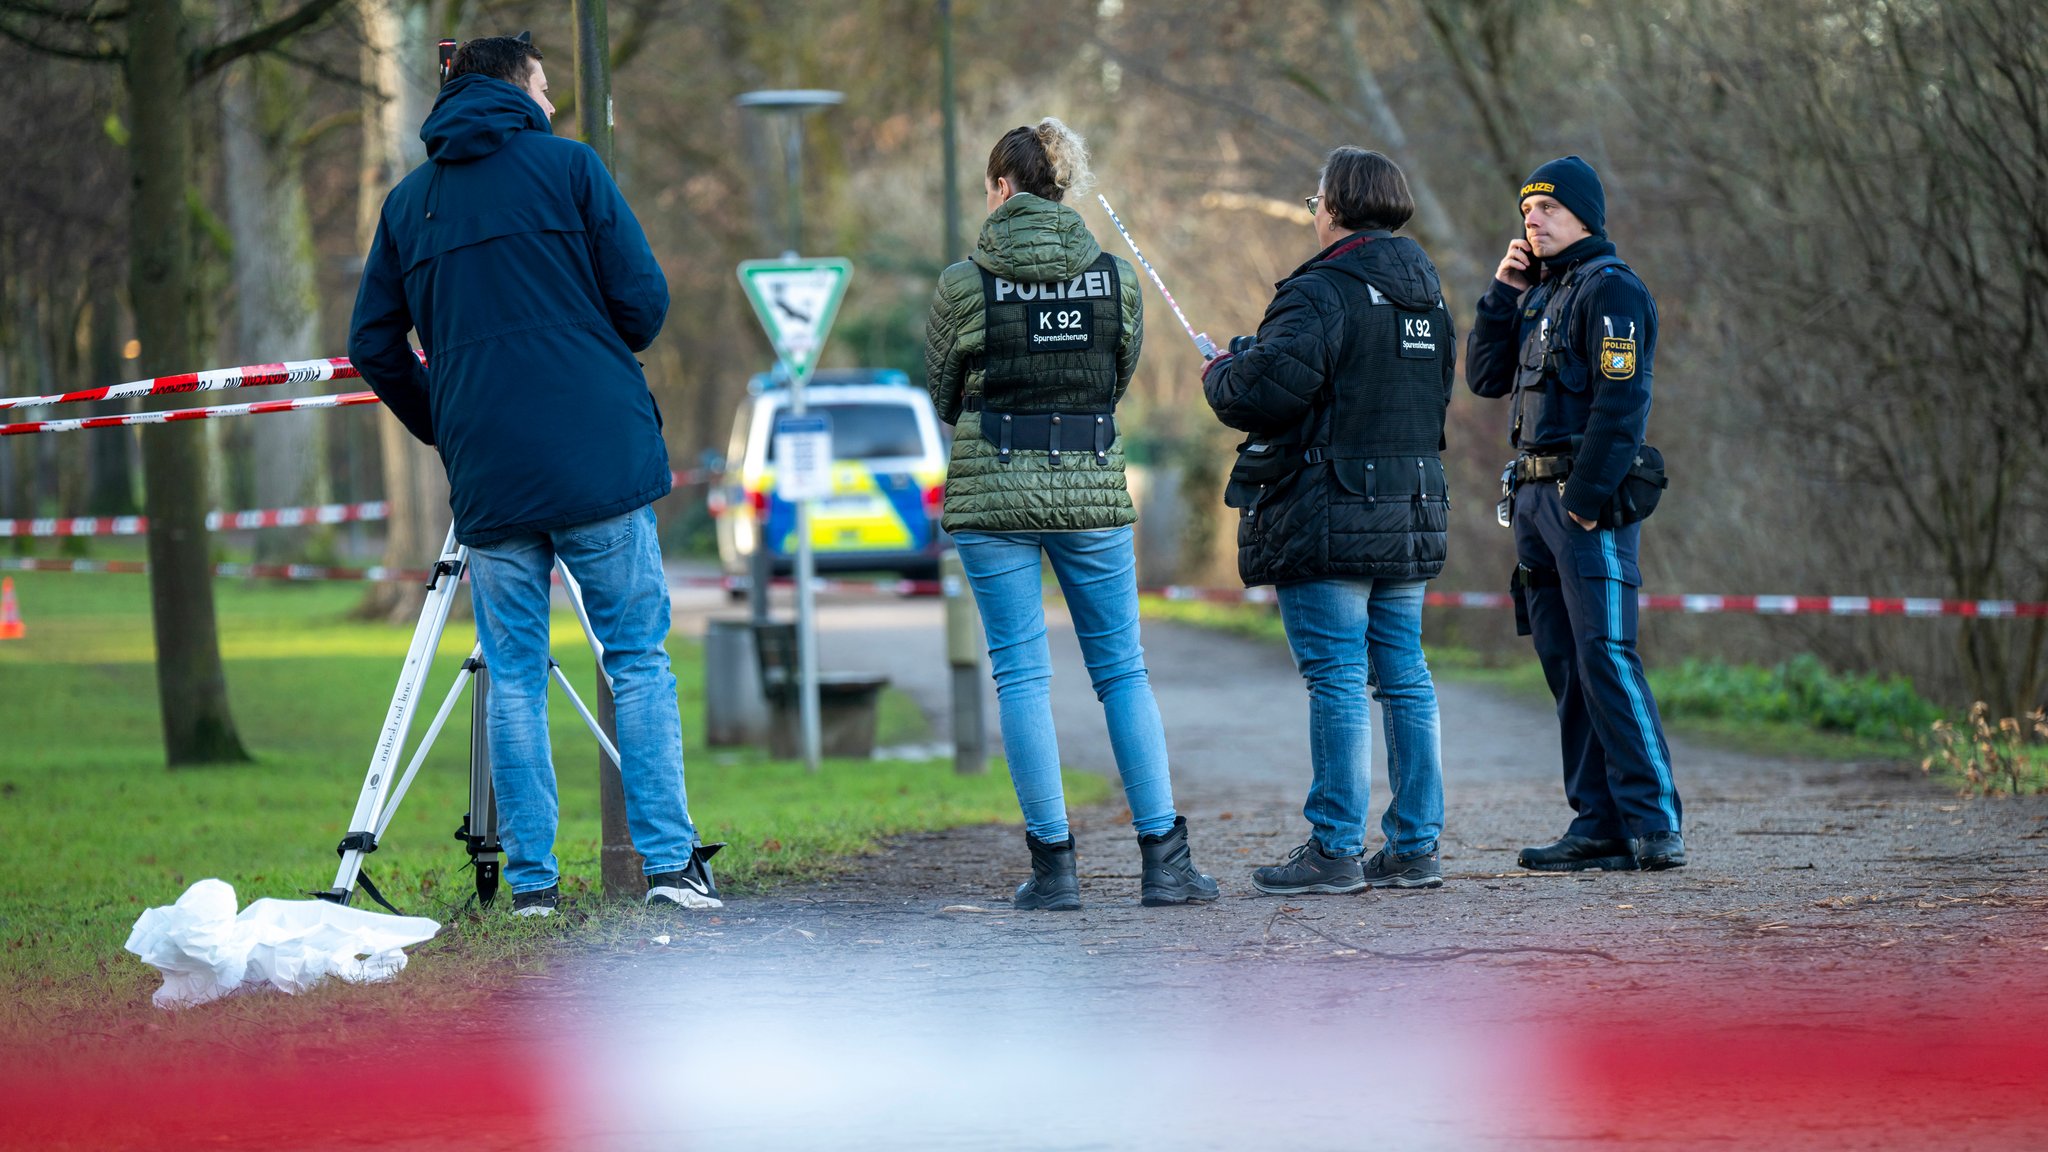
1852, 960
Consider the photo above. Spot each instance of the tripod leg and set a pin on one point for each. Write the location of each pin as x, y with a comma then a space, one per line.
596, 729
575, 591
412, 679
479, 832
426, 745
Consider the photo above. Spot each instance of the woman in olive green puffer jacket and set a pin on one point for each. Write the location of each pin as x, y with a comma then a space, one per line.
1031, 344
1030, 239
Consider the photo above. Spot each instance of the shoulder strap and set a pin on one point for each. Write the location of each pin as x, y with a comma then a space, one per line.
1558, 308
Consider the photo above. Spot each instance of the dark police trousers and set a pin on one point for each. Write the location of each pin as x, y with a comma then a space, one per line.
1617, 767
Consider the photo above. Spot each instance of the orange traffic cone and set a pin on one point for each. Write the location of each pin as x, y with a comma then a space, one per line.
10, 612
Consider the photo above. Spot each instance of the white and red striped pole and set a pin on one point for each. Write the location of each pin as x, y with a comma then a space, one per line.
180, 415
211, 380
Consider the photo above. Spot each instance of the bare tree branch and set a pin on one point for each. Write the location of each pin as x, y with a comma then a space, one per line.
90, 14
263, 39
38, 44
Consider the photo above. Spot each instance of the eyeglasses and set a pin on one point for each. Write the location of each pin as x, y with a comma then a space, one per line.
1313, 202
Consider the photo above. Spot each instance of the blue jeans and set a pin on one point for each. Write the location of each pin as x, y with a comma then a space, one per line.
1099, 576
618, 563
1348, 634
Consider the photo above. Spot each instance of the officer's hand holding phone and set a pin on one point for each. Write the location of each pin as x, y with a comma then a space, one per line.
1514, 267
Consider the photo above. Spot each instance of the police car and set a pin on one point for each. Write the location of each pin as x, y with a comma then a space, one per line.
888, 477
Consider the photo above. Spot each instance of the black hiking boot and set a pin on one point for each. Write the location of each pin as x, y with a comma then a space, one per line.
690, 886
1170, 875
1659, 851
1308, 869
1422, 870
1054, 885
1571, 853
541, 903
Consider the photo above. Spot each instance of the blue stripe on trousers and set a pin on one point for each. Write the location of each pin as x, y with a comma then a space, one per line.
1637, 691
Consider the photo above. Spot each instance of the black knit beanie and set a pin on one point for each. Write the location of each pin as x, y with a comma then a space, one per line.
1576, 186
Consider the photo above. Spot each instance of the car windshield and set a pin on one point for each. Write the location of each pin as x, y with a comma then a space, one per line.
868, 431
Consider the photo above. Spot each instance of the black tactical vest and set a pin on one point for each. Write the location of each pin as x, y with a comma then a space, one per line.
1049, 363
1388, 398
1546, 354
1051, 347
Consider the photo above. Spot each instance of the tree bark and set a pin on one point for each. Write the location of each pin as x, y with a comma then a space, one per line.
276, 303
191, 682
415, 483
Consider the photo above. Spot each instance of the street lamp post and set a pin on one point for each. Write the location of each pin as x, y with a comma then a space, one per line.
793, 103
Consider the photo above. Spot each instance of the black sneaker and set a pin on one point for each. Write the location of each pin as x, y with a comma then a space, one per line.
539, 903
1569, 853
1423, 870
1309, 870
689, 887
1659, 851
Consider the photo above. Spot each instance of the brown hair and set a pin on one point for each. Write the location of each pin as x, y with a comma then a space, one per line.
1046, 159
500, 57
1365, 191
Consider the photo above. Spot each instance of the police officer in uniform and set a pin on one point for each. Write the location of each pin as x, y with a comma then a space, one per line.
1570, 333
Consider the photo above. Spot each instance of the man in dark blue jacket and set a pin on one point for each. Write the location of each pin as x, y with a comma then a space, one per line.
531, 286
1570, 332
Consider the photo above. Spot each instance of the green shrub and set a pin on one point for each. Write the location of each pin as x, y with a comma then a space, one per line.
1799, 691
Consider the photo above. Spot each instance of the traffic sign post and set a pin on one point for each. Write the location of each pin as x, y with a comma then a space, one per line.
796, 301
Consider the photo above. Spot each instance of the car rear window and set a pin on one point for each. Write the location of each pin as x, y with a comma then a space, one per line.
869, 431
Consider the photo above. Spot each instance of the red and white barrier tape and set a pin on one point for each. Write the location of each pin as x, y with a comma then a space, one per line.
1749, 605
215, 521
241, 521
377, 574
180, 415
212, 380
1692, 604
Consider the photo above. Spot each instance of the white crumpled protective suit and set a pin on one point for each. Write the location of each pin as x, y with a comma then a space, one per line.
206, 951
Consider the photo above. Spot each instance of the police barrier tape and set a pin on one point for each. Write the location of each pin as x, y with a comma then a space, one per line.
211, 380
215, 521
181, 415
46, 526
1692, 604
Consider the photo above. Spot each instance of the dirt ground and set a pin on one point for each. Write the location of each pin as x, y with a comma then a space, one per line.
1852, 960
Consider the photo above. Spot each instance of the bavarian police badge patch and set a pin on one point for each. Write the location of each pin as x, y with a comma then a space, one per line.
1617, 357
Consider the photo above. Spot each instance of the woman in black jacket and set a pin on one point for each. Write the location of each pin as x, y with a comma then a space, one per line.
1342, 504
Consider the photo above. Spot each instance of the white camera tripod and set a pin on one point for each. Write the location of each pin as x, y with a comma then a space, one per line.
379, 799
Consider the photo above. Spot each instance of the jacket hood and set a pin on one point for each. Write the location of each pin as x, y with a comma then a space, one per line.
474, 116
1395, 265
1034, 239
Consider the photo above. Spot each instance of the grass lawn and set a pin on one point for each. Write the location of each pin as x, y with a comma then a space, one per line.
1521, 675
94, 829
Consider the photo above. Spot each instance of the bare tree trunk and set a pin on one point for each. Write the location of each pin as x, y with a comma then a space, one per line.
277, 306
191, 683
415, 483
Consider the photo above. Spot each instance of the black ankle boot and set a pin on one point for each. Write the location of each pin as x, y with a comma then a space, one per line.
1054, 885
1170, 875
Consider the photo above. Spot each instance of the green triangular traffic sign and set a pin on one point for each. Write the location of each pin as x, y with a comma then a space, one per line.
796, 301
